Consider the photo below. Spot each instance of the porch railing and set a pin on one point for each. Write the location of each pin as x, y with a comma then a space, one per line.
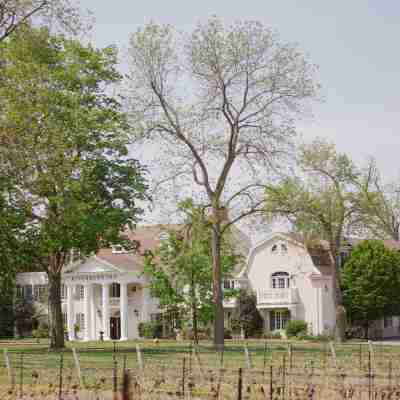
277, 296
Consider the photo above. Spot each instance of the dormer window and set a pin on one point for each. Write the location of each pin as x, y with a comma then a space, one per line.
118, 249
283, 248
274, 248
163, 235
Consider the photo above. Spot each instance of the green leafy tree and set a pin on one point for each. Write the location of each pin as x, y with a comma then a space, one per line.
62, 140
246, 318
181, 269
371, 283
319, 201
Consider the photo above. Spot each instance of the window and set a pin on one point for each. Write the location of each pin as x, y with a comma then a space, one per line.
280, 280
40, 293
274, 248
163, 236
115, 290
80, 292
279, 319
387, 322
229, 284
64, 292
283, 248
65, 318
80, 321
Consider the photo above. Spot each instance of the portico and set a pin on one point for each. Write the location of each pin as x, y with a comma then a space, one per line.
101, 300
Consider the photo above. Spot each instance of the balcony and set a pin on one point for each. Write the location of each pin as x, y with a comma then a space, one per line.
275, 297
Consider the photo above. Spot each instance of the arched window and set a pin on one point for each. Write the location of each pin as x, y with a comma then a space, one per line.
280, 280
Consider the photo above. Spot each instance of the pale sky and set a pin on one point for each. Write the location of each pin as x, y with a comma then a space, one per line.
354, 42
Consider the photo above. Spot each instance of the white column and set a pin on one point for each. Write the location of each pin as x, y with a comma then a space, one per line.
93, 315
124, 310
321, 308
145, 303
70, 312
88, 301
106, 310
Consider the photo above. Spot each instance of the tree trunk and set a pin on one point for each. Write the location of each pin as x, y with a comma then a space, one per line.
217, 283
340, 311
194, 311
56, 328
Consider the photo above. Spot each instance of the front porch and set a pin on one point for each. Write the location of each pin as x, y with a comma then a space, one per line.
108, 311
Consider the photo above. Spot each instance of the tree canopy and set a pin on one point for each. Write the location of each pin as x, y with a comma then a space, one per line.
63, 144
180, 270
319, 200
371, 283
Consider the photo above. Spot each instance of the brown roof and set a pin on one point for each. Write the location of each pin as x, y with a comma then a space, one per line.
389, 243
148, 238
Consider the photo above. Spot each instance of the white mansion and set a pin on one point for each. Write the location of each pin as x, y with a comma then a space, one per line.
107, 294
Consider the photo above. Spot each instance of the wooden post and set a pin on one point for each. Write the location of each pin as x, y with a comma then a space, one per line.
271, 384
140, 360
371, 350
332, 346
196, 356
247, 356
240, 385
77, 366
264, 357
115, 375
61, 377
9, 369
21, 377
183, 376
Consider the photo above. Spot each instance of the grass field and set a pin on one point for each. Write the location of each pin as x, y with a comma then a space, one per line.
173, 369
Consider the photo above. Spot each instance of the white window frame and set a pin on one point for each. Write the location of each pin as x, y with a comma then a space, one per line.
281, 318
40, 293
80, 321
80, 292
280, 280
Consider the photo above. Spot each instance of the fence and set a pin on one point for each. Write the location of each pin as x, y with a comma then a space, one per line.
241, 371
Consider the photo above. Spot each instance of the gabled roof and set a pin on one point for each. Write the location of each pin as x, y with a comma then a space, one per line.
317, 249
149, 238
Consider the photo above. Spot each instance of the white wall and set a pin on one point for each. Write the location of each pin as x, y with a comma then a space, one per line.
299, 265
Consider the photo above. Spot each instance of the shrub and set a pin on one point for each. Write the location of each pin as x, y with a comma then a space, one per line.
150, 330
41, 332
227, 333
246, 315
296, 327
305, 336
273, 335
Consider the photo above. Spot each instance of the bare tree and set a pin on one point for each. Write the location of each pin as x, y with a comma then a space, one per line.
378, 205
63, 13
220, 104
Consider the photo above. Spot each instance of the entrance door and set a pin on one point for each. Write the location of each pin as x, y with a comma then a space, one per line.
278, 319
115, 328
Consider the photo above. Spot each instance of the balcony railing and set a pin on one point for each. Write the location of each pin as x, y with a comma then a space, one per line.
277, 296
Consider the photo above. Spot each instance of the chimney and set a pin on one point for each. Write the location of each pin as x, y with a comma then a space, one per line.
223, 214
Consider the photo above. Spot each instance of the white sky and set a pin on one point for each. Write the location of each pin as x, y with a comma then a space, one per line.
355, 43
